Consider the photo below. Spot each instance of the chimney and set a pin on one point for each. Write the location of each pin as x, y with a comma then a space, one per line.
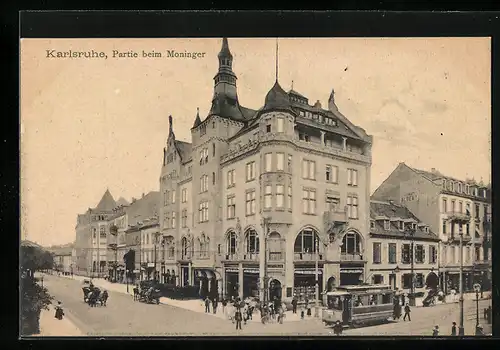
142, 194
317, 104
433, 170
133, 199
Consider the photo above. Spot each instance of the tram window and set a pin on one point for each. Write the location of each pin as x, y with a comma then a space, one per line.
335, 303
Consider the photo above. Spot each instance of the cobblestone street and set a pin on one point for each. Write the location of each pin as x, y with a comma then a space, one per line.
125, 317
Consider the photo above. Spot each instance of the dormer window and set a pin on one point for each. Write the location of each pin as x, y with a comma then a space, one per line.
387, 225
450, 186
460, 187
413, 226
268, 128
372, 225
444, 184
426, 229
401, 225
280, 124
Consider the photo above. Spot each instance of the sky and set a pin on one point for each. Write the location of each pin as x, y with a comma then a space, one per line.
92, 124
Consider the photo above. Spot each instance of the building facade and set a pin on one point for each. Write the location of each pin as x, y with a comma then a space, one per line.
91, 243
63, 260
451, 208
259, 195
393, 229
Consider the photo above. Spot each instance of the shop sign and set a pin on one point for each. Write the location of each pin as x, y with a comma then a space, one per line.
231, 270
151, 264
351, 271
251, 270
308, 272
275, 266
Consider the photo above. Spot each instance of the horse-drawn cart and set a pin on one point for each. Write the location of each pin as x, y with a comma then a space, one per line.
148, 292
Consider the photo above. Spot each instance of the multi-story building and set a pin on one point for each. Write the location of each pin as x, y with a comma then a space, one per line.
451, 208
126, 218
91, 236
393, 230
63, 260
259, 195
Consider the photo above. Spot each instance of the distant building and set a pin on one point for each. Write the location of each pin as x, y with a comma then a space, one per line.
390, 249
91, 237
286, 183
449, 206
126, 218
63, 260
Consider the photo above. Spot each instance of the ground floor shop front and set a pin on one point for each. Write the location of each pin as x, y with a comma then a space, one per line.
450, 279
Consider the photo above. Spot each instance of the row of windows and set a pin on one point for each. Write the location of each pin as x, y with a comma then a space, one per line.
308, 170
318, 117
405, 280
406, 254
400, 225
464, 188
169, 196
455, 228
451, 254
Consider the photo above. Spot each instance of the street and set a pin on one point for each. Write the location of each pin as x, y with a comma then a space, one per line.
125, 317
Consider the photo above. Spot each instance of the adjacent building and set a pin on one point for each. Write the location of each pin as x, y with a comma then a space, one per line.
451, 207
393, 230
260, 194
63, 259
91, 243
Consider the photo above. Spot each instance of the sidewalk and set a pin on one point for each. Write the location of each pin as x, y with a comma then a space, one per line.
52, 327
450, 299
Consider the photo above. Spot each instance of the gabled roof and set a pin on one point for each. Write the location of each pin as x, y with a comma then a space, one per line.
293, 92
107, 203
122, 201
184, 149
143, 208
26, 243
391, 210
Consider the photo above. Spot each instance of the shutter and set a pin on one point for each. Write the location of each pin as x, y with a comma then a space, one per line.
423, 255
402, 253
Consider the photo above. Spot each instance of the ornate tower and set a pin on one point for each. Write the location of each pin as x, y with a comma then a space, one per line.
225, 99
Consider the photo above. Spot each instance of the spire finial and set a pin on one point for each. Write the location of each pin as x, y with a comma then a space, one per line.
277, 52
198, 111
170, 123
292, 84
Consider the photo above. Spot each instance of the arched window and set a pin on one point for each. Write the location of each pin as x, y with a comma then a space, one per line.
351, 243
231, 243
213, 145
307, 241
251, 241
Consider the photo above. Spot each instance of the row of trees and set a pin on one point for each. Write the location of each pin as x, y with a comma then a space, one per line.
34, 297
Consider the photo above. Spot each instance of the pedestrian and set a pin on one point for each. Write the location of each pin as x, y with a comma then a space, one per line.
454, 328
294, 305
407, 312
403, 299
59, 311
245, 314
435, 331
302, 312
207, 305
479, 330
224, 304
237, 318
281, 315
308, 307
338, 328
214, 305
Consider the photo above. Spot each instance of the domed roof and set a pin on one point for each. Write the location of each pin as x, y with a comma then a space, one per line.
277, 98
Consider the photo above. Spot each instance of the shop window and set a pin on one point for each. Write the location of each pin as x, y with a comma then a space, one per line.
351, 243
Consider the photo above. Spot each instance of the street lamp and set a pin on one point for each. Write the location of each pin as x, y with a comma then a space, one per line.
410, 231
156, 235
265, 227
461, 331
477, 288
316, 273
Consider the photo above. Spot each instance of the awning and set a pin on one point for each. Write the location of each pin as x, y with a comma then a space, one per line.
205, 273
255, 271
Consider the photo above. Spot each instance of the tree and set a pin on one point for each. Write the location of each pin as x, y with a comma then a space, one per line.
34, 298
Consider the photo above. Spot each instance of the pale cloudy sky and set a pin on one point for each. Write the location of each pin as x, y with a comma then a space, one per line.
92, 124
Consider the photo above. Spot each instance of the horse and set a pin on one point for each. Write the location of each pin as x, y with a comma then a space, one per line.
93, 297
103, 298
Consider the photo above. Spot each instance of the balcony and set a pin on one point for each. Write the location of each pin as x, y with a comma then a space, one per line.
351, 257
241, 257
307, 256
276, 256
458, 217
333, 216
456, 238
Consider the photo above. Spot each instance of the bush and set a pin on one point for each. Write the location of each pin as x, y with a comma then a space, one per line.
34, 299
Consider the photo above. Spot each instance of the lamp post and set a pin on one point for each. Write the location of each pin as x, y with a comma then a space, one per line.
461, 300
156, 235
126, 278
396, 271
410, 231
316, 274
265, 226
477, 288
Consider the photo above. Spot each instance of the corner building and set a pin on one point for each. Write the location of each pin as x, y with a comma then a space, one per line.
260, 195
